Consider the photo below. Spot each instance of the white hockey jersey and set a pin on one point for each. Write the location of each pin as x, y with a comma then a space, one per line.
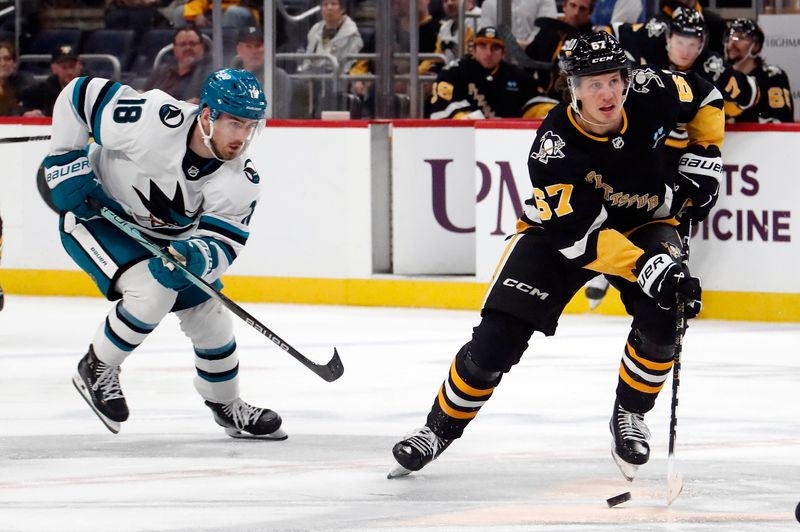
141, 158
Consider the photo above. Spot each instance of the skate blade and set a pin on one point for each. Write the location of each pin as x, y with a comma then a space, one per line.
674, 487
628, 470
398, 471
594, 303
110, 424
278, 435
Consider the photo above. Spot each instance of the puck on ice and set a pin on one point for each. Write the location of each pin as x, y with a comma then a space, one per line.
797, 512
619, 499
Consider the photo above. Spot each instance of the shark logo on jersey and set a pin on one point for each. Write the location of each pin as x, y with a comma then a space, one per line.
250, 172
165, 210
170, 115
549, 147
641, 79
714, 66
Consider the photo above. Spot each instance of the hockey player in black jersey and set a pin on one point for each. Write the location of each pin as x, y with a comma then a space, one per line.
482, 85
743, 43
601, 203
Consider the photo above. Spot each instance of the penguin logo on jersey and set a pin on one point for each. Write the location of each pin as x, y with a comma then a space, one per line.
170, 115
250, 172
714, 66
549, 148
655, 28
641, 79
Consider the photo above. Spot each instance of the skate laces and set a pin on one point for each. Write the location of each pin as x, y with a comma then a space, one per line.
241, 413
108, 381
426, 442
631, 425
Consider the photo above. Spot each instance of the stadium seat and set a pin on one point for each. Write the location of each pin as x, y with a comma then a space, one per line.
119, 43
152, 42
46, 41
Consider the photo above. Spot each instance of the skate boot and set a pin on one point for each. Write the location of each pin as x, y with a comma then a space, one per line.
596, 290
416, 450
241, 420
98, 384
629, 446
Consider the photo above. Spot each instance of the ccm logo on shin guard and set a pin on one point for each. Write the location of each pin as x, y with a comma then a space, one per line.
523, 287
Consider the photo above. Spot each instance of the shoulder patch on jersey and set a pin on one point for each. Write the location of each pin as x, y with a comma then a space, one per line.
549, 148
714, 66
642, 77
170, 115
250, 172
655, 27
772, 70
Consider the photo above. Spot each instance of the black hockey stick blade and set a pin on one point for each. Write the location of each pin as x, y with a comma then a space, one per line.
328, 372
11, 140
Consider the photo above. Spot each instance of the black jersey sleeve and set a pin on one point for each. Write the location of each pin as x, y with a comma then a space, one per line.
449, 98
570, 209
774, 90
739, 90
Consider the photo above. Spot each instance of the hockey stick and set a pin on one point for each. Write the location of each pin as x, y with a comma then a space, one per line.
674, 477
329, 372
11, 140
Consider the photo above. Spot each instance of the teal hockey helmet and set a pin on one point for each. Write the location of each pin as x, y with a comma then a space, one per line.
236, 92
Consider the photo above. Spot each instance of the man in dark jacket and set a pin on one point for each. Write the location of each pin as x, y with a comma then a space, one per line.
39, 98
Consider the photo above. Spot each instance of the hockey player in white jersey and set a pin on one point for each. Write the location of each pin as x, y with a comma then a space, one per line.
181, 174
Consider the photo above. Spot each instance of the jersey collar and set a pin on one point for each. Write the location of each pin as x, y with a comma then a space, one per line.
596, 137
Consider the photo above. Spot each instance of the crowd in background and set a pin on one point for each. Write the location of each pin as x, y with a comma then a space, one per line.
504, 72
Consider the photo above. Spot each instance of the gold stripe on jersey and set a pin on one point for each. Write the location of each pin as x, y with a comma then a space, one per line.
571, 117
707, 128
616, 255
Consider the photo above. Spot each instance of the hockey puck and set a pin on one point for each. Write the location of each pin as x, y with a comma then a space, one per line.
797, 512
619, 499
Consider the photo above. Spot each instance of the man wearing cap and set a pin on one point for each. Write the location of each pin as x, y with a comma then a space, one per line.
250, 57
182, 78
65, 65
483, 85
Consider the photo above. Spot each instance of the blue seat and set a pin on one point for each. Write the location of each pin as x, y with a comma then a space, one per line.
119, 43
46, 41
152, 41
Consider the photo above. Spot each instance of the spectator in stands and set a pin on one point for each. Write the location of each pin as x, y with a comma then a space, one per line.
250, 57
448, 36
183, 78
548, 43
39, 98
13, 84
235, 13
743, 44
607, 12
138, 14
336, 34
523, 17
483, 85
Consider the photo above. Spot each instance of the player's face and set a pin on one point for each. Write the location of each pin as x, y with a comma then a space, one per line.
601, 97
231, 135
577, 12
738, 46
683, 50
488, 54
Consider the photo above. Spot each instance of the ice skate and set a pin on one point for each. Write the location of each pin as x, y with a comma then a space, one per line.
98, 384
241, 420
629, 445
596, 290
416, 450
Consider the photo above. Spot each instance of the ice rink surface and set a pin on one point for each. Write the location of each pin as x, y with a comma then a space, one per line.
536, 458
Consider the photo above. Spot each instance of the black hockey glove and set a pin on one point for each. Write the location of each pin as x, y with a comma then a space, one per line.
697, 183
665, 280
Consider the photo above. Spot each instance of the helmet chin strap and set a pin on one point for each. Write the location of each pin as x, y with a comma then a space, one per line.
207, 136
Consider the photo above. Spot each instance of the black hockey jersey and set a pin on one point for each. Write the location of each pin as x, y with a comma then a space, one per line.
775, 96
589, 191
464, 89
646, 43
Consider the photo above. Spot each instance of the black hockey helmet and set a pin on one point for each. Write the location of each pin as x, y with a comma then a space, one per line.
745, 26
593, 53
689, 22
